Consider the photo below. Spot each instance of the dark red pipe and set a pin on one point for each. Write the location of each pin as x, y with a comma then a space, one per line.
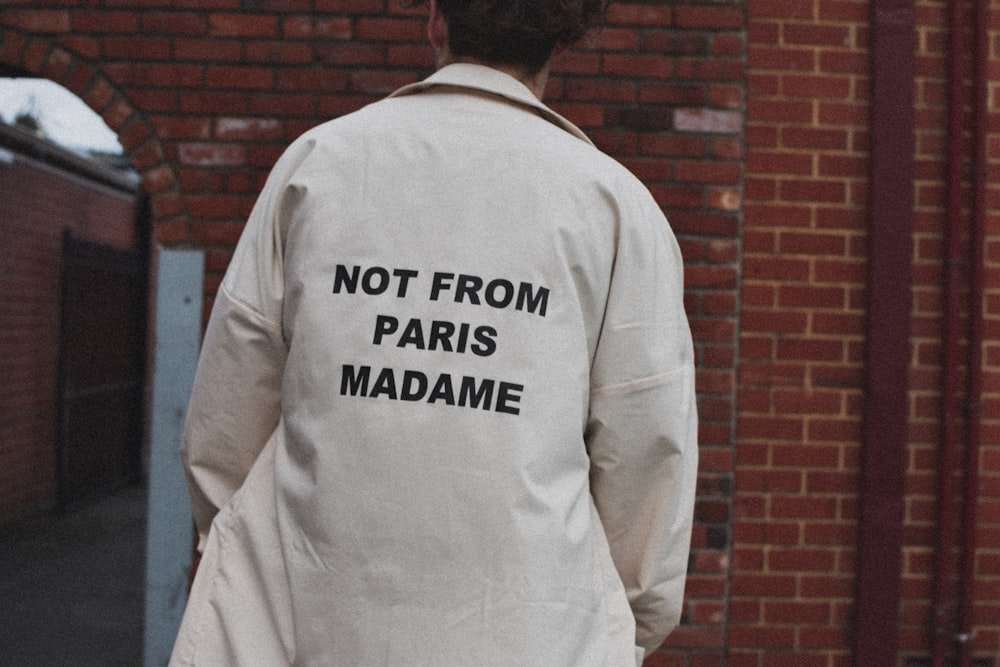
980, 176
944, 603
887, 336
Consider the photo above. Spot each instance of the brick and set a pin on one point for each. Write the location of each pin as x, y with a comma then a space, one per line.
710, 18
828, 533
135, 48
764, 32
242, 25
771, 481
639, 14
837, 324
105, 22
169, 76
784, 59
771, 428
728, 44
706, 172
812, 191
677, 43
236, 77
779, 268
780, 162
835, 430
674, 93
166, 205
814, 138
808, 403
214, 50
783, 9
350, 6
217, 233
63, 68
726, 96
855, 63
390, 30
39, 20
812, 244
272, 52
755, 586
801, 507
215, 102
641, 66
817, 34
801, 456
713, 69
213, 206
618, 39
248, 128
134, 133
211, 154
713, 330
816, 86
707, 120
793, 296
599, 90
797, 613
174, 23
118, 113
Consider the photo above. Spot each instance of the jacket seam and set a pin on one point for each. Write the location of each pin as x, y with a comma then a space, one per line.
633, 386
255, 314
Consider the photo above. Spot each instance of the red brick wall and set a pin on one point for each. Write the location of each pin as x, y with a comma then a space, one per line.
38, 201
802, 327
802, 341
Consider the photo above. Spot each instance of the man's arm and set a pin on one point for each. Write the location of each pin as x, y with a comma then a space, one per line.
642, 430
234, 406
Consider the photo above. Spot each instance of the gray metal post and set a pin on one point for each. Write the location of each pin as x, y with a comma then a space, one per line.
178, 307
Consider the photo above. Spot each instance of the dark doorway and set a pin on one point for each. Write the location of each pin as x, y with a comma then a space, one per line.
102, 354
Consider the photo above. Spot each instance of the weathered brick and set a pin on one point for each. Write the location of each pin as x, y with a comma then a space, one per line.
211, 154
707, 120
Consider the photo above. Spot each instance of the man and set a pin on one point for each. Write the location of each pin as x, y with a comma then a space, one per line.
444, 413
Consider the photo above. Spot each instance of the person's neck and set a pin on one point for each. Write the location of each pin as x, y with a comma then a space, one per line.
535, 82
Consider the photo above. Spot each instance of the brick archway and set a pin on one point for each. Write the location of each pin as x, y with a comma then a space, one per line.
39, 56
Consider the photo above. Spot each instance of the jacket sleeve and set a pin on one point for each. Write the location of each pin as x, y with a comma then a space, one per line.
642, 426
235, 403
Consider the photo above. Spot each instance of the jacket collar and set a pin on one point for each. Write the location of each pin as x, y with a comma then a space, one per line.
487, 79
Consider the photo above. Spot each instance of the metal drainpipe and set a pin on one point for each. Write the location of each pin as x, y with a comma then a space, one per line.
980, 176
887, 335
943, 599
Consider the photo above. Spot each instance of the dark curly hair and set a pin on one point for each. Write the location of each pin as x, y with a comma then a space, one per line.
516, 33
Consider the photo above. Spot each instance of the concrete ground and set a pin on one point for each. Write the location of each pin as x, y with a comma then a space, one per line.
72, 585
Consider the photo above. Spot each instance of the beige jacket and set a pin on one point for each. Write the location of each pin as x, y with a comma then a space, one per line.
444, 413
